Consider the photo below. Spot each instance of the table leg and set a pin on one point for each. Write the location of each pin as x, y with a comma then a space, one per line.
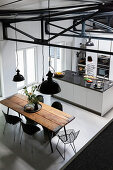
65, 132
50, 137
7, 110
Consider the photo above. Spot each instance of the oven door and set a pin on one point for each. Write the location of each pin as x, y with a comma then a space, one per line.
103, 72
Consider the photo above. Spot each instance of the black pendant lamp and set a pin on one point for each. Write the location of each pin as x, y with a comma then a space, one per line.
18, 77
89, 42
48, 86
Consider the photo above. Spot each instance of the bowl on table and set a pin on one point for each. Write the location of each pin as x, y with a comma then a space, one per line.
59, 74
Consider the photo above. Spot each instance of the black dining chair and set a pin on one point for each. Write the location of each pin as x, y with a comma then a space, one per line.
11, 119
40, 98
57, 105
29, 129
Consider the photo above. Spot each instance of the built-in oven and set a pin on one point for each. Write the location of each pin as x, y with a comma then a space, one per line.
103, 71
103, 66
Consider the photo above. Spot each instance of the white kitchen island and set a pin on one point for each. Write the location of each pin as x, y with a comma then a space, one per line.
75, 90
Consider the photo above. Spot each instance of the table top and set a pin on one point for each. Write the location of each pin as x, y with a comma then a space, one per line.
49, 117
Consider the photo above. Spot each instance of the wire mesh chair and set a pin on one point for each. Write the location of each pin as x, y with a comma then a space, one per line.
67, 138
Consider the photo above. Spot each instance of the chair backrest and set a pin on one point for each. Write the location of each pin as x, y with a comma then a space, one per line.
7, 117
11, 119
57, 105
74, 134
40, 98
29, 128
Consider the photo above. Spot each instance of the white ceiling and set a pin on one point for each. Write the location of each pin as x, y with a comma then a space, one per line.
37, 4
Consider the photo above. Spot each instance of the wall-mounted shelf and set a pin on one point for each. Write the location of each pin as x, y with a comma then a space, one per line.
103, 65
82, 65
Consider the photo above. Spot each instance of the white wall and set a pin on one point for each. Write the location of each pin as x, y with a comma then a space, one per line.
7, 54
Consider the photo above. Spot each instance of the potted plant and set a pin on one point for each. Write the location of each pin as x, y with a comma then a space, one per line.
32, 97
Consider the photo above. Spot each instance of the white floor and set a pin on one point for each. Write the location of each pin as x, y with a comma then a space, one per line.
14, 156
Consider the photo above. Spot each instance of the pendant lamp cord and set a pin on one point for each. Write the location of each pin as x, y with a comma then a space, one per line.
16, 45
49, 36
43, 61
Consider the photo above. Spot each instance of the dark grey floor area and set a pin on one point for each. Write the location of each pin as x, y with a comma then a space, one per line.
98, 155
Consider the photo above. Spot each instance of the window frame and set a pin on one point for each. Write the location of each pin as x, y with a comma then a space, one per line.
63, 56
25, 66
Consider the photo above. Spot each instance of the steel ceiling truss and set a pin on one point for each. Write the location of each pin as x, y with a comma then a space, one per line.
92, 12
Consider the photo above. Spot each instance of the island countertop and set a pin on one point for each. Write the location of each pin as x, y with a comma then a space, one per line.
74, 78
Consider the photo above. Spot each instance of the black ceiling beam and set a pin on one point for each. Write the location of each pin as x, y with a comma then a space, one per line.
13, 2
38, 18
22, 32
57, 14
39, 11
46, 24
73, 11
77, 23
86, 36
62, 46
5, 35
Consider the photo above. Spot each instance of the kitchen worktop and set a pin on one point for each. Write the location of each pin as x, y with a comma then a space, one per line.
74, 78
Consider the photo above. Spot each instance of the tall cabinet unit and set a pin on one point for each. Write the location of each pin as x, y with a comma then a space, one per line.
92, 64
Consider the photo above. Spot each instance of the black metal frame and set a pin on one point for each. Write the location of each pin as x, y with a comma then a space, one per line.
91, 11
42, 41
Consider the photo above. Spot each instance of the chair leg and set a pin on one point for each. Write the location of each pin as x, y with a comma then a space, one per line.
14, 132
59, 151
21, 138
73, 147
4, 128
50, 137
8, 110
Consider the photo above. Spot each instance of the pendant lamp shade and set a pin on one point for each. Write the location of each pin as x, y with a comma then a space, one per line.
49, 86
89, 42
18, 77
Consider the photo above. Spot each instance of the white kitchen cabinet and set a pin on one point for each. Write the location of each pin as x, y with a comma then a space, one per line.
104, 45
60, 84
79, 95
94, 100
67, 91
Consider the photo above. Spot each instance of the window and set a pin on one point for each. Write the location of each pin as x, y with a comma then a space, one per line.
56, 58
27, 66
30, 63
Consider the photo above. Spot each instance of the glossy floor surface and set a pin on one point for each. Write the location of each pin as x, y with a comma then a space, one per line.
34, 153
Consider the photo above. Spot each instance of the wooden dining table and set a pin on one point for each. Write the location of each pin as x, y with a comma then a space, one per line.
50, 118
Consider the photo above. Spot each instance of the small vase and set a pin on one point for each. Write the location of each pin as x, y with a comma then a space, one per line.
36, 106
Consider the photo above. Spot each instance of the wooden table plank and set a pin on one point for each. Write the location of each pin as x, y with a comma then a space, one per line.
60, 120
49, 117
33, 116
51, 109
21, 96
